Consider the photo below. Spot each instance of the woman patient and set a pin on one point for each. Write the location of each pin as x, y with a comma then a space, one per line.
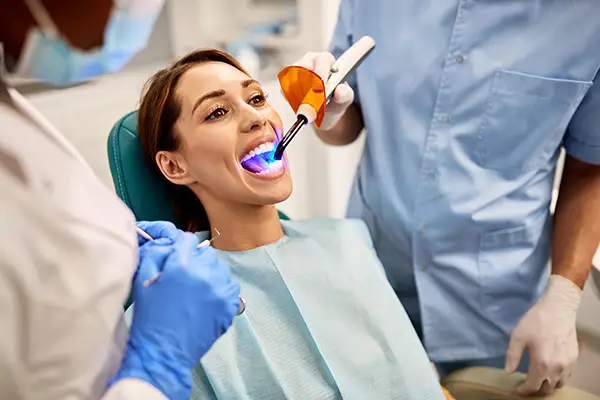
321, 320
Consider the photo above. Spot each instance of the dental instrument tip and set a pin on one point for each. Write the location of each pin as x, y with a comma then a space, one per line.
287, 138
143, 233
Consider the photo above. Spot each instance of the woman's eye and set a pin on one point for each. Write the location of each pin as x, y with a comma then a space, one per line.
258, 100
217, 113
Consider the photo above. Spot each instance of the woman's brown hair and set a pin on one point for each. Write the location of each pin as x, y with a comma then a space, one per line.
159, 110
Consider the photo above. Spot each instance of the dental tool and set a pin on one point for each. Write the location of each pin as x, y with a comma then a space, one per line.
204, 243
313, 103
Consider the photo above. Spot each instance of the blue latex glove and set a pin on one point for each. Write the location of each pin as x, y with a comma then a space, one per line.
158, 230
178, 318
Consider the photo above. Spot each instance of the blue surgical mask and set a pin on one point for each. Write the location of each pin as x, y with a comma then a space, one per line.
48, 57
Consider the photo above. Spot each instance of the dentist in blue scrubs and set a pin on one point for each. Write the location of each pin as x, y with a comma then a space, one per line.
466, 105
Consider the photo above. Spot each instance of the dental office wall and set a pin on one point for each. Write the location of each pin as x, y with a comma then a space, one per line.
322, 175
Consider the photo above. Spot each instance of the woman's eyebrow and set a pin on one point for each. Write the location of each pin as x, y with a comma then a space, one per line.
249, 82
209, 95
219, 93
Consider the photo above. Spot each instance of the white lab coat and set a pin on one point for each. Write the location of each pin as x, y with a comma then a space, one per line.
68, 251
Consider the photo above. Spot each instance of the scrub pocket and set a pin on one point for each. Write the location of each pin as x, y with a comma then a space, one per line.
525, 120
508, 276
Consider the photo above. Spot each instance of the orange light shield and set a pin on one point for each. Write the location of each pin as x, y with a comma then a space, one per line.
302, 86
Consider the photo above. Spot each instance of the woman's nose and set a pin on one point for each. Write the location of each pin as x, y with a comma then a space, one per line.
253, 119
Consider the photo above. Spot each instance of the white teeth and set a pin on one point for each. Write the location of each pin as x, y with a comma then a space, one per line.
263, 148
274, 166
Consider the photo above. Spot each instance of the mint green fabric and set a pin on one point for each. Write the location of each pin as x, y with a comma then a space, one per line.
321, 322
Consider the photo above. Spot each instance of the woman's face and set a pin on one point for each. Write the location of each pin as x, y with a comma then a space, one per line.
228, 133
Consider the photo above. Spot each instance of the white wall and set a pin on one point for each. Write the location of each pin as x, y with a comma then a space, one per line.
86, 113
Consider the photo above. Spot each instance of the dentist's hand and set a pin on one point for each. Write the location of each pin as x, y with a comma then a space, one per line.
177, 319
548, 332
343, 96
158, 230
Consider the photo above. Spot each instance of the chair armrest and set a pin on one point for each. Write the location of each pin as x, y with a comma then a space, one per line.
477, 383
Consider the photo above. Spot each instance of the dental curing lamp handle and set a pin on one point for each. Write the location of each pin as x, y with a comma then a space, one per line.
347, 63
338, 72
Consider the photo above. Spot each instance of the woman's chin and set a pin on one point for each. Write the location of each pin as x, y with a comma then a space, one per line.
270, 188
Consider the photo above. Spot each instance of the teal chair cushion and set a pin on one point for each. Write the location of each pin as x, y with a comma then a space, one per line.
136, 184
144, 192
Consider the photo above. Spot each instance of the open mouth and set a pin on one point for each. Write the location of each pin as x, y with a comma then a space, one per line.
261, 160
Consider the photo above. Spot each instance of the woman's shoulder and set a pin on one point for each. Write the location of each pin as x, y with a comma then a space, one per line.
331, 228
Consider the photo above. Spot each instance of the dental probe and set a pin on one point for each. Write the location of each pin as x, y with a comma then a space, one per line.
338, 72
204, 243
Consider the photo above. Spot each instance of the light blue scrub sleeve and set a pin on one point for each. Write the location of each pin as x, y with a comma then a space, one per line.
582, 139
343, 39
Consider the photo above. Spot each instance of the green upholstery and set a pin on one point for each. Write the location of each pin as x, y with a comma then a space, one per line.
138, 186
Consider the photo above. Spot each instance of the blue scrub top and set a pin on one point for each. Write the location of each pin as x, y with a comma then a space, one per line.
466, 104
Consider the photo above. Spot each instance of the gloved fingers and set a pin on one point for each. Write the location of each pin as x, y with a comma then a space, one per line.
157, 229
536, 375
153, 247
221, 272
184, 247
189, 245
553, 376
516, 347
343, 95
217, 274
561, 375
153, 257
532, 385
564, 377
320, 63
307, 61
547, 388
207, 267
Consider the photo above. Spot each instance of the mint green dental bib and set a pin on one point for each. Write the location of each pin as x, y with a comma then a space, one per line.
321, 323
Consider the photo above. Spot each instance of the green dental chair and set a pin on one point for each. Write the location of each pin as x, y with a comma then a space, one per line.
146, 195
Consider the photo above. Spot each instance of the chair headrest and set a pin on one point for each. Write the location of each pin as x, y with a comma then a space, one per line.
145, 193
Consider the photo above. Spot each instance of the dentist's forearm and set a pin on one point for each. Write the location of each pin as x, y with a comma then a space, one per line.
576, 221
347, 129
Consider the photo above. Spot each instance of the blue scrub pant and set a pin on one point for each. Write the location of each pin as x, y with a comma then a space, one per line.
446, 368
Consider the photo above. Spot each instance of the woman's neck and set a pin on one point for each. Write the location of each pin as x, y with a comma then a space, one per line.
244, 227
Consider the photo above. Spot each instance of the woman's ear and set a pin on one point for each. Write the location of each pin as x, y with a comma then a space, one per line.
174, 167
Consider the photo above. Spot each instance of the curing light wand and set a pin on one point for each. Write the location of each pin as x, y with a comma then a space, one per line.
287, 138
308, 94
